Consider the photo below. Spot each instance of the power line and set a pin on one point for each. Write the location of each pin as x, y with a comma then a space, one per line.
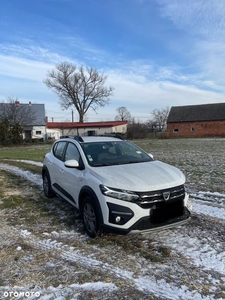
57, 112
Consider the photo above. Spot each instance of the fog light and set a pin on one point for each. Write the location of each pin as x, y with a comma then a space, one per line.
119, 214
117, 219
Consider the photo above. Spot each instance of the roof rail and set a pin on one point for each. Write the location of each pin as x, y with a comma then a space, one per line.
72, 136
79, 138
111, 135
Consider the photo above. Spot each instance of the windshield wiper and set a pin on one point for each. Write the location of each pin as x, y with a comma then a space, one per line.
102, 165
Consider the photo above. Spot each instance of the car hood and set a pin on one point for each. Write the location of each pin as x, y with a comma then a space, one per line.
139, 177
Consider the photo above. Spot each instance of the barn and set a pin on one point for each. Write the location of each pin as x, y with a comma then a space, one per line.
204, 120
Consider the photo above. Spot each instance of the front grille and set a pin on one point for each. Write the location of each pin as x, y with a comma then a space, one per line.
149, 199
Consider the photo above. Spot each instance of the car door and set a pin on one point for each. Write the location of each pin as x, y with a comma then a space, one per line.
71, 177
57, 163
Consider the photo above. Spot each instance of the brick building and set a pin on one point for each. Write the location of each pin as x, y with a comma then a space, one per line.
206, 120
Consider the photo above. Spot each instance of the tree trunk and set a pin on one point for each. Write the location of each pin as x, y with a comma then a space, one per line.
81, 117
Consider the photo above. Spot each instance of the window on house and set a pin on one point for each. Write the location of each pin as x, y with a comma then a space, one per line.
38, 132
91, 132
176, 130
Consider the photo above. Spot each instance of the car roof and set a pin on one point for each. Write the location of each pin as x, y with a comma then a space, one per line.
99, 139
92, 139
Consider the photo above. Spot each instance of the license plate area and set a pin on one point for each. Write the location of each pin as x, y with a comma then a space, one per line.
165, 212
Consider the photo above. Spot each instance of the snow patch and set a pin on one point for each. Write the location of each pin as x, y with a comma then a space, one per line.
34, 178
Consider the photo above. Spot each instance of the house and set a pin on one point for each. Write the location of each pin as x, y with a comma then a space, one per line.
37, 129
56, 129
205, 120
30, 116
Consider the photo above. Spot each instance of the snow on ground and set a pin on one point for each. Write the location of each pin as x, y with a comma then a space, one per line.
144, 283
30, 162
34, 178
200, 207
202, 250
207, 209
202, 254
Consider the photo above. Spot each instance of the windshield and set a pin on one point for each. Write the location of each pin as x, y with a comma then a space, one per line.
113, 153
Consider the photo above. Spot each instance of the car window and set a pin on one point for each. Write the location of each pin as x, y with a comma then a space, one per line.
58, 150
113, 153
131, 151
72, 152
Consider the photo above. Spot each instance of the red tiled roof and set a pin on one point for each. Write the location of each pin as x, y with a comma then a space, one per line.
84, 125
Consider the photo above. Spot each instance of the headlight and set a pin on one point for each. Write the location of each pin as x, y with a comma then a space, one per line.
118, 194
187, 202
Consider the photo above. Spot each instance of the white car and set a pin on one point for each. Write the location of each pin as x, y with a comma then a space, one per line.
116, 186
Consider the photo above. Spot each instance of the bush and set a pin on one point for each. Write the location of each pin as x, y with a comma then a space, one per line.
10, 134
137, 131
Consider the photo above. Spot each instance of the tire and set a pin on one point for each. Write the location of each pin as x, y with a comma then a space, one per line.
90, 217
47, 186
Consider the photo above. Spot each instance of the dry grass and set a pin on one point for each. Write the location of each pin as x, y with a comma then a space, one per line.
32, 262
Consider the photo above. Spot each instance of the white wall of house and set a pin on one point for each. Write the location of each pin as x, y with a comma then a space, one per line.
34, 132
53, 134
95, 130
120, 129
38, 132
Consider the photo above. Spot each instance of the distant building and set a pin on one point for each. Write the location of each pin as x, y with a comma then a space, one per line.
56, 129
37, 128
40, 128
206, 120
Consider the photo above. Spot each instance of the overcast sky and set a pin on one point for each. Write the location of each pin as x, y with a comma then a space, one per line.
155, 53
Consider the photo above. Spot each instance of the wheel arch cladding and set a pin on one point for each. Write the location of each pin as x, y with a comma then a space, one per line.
86, 191
45, 171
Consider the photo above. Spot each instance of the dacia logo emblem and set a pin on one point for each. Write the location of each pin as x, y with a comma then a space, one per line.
166, 195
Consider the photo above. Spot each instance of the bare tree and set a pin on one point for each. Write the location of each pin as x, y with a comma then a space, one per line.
152, 126
123, 114
160, 118
16, 112
79, 87
136, 130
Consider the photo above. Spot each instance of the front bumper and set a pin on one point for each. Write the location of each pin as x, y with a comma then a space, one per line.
145, 225
130, 219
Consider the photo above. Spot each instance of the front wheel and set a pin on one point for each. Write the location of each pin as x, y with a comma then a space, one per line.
47, 186
90, 217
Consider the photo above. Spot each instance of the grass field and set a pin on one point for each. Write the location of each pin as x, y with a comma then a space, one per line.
29, 152
43, 248
201, 160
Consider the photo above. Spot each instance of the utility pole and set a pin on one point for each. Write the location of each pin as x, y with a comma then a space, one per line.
72, 116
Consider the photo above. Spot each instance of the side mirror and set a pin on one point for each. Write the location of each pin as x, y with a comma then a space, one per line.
71, 163
150, 155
